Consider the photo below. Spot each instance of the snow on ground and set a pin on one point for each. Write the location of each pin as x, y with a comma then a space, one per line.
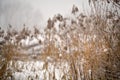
37, 70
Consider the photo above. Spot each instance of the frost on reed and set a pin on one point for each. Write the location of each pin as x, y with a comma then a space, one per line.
89, 43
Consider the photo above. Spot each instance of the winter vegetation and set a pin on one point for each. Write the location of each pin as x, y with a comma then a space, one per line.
76, 47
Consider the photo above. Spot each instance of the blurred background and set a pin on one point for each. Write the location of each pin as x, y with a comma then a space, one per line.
35, 12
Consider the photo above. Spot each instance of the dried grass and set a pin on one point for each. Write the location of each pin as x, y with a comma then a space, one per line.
94, 59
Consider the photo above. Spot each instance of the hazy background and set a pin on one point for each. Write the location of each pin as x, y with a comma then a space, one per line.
34, 12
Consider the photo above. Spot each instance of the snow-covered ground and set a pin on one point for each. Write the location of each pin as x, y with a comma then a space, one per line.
37, 70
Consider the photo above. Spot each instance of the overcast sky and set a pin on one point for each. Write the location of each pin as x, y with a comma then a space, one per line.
34, 12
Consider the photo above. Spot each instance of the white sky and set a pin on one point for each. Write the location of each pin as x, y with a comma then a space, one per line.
34, 12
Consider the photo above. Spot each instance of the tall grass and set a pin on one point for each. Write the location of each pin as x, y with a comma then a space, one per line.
91, 45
